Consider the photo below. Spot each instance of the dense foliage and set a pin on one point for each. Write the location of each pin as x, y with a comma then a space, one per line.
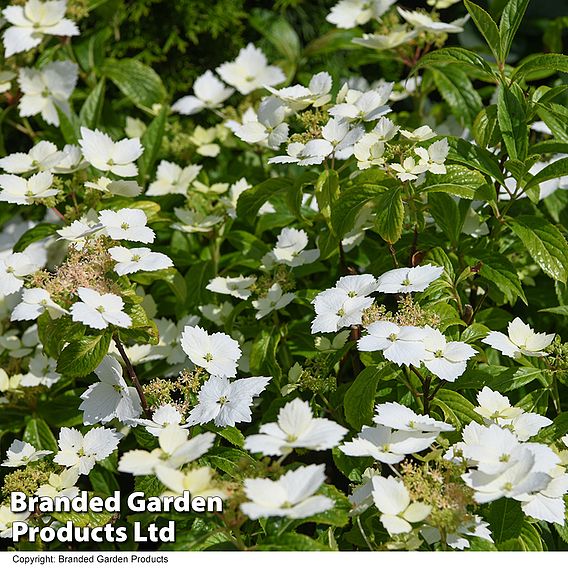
306, 258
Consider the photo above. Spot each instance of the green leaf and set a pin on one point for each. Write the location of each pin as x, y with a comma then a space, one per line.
539, 62
55, 333
170, 275
464, 152
253, 199
152, 142
457, 180
103, 481
486, 127
84, 355
556, 118
338, 516
90, 112
39, 435
544, 242
263, 353
447, 215
359, 401
464, 57
487, 26
505, 519
69, 126
511, 19
233, 435
512, 119
140, 83
530, 538
278, 32
351, 201
197, 277
390, 215
37, 233
456, 408
89, 519
555, 170
291, 541
62, 410
327, 191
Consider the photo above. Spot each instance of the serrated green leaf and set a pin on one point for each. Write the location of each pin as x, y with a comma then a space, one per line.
251, 200
351, 201
555, 170
359, 401
487, 26
463, 152
390, 215
37, 233
512, 118
511, 19
84, 355
456, 408
39, 435
539, 62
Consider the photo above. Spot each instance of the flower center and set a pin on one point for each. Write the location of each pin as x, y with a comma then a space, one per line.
100, 309
124, 226
136, 257
208, 357
223, 400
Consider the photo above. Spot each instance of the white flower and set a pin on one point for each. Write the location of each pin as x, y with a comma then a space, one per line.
62, 484
111, 397
23, 191
298, 97
21, 453
409, 170
313, 152
194, 222
433, 157
126, 188
274, 299
127, 224
41, 372
98, 310
342, 137
198, 481
106, 155
351, 13
419, 135
13, 268
387, 445
203, 139
172, 179
209, 93
7, 518
445, 359
19, 347
403, 345
164, 416
268, 127
290, 249
34, 20
396, 36
475, 527
292, 495
548, 504
235, 191
238, 287
364, 106
423, 22
83, 452
34, 302
44, 156
137, 259
405, 280
521, 340
335, 309
369, 151
393, 501
72, 160
47, 88
175, 450
216, 353
296, 428
250, 71
226, 403
78, 231
399, 417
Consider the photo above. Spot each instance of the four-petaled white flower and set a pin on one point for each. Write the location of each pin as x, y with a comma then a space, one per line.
399, 417
298, 97
267, 127
403, 345
250, 71
83, 452
216, 353
209, 92
238, 287
405, 280
387, 445
274, 299
137, 259
13, 268
292, 495
34, 20
44, 156
111, 397
21, 453
409, 170
521, 340
369, 151
445, 359
126, 224
99, 310
172, 179
433, 157
351, 13
34, 302
21, 191
291, 250
424, 22
226, 402
60, 484
309, 154
335, 309
46, 89
103, 153
296, 428
366, 106
393, 501
164, 416
341, 136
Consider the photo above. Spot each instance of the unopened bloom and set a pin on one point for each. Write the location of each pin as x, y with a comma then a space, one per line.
521, 340
106, 155
99, 310
292, 495
296, 428
226, 402
209, 93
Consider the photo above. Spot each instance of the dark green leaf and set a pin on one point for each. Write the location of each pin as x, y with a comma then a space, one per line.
39, 435
487, 26
351, 201
37, 233
152, 142
84, 355
511, 19
92, 108
390, 215
253, 199
359, 399
512, 119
